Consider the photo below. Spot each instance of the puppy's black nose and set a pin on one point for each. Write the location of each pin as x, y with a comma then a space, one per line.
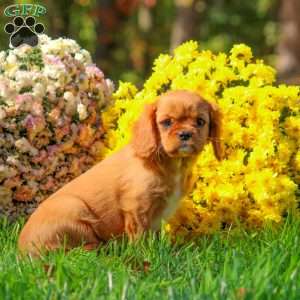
184, 135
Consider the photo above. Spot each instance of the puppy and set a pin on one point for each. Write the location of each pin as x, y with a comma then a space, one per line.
132, 190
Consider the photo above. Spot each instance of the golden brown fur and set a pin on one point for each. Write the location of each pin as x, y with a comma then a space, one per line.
133, 189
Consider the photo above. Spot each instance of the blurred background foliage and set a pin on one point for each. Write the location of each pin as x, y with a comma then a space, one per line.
124, 36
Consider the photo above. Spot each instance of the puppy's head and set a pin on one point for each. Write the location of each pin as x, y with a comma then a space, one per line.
179, 123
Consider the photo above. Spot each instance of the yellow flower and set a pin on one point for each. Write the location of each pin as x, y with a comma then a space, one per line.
186, 52
126, 90
241, 51
292, 127
297, 161
224, 75
240, 54
258, 74
161, 62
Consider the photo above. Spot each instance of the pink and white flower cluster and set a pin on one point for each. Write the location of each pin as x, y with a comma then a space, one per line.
50, 127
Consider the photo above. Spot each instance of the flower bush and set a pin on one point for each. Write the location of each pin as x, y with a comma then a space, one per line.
259, 178
50, 127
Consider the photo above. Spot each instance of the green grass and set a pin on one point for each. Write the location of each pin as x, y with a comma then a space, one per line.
239, 265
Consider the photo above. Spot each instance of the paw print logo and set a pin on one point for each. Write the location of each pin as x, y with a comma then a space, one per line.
24, 31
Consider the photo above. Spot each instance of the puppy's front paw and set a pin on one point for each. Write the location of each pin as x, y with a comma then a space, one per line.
135, 225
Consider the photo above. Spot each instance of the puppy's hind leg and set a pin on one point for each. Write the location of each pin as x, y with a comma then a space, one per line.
60, 222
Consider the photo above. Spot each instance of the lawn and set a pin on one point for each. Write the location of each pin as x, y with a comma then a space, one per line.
228, 265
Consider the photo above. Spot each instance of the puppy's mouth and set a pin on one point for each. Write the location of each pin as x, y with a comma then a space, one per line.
186, 149
183, 150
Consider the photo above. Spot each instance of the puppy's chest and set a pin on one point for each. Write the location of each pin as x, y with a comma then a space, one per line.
170, 202
173, 199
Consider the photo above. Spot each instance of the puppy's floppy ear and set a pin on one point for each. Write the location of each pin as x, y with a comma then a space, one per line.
145, 133
215, 124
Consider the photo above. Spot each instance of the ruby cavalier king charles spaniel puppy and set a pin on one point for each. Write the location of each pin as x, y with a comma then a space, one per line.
132, 190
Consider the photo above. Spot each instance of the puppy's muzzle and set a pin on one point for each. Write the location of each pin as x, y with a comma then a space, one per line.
184, 135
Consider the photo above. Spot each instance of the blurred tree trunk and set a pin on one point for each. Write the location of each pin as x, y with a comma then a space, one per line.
288, 63
58, 13
110, 16
141, 42
185, 24
106, 23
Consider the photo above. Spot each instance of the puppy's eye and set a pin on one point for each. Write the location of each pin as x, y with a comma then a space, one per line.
166, 123
200, 122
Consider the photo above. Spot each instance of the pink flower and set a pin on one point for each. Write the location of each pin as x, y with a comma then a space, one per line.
41, 157
4, 88
34, 125
24, 101
93, 70
54, 60
75, 167
62, 131
54, 114
37, 108
13, 182
38, 174
23, 194
49, 185
23, 97
52, 150
86, 135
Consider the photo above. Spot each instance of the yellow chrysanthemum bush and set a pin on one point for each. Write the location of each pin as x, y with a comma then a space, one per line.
258, 180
